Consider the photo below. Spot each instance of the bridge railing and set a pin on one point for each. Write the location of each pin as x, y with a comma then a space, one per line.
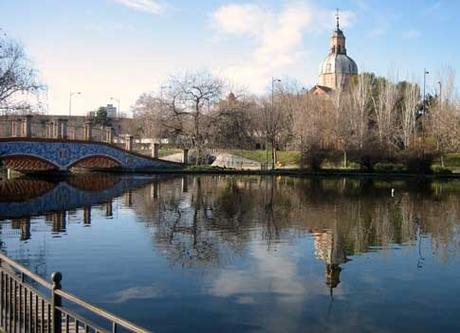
30, 127
25, 308
41, 127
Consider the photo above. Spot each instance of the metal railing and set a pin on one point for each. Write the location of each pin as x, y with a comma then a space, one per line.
23, 308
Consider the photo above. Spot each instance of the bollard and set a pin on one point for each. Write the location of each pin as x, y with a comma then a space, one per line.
62, 129
56, 302
108, 134
156, 150
16, 127
50, 129
88, 131
185, 156
54, 129
46, 124
27, 126
129, 142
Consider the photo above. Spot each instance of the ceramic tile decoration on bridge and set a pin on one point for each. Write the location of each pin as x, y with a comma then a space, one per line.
24, 151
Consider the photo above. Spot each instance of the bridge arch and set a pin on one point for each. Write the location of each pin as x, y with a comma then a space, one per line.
27, 162
96, 161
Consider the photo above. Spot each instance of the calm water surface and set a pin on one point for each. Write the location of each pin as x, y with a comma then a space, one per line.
245, 254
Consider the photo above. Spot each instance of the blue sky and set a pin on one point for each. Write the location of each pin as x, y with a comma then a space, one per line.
122, 48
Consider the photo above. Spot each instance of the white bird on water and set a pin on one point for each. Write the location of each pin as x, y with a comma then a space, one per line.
392, 192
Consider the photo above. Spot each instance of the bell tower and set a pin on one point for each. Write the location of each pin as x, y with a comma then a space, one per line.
338, 39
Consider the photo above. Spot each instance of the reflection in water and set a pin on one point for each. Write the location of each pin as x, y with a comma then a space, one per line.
346, 217
218, 222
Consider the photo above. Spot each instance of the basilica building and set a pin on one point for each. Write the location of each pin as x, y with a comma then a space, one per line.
337, 69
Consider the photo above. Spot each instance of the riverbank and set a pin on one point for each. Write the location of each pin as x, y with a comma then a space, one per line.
196, 170
205, 170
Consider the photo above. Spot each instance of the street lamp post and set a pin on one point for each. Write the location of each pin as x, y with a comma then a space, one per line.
72, 93
425, 73
118, 104
440, 93
271, 120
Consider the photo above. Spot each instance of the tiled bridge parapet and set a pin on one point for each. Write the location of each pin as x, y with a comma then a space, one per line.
35, 154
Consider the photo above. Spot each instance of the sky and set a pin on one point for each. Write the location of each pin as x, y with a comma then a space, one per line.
123, 48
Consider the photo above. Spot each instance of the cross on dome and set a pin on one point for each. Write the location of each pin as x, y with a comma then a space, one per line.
337, 16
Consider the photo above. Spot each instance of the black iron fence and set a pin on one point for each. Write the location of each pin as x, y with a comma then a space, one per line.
24, 307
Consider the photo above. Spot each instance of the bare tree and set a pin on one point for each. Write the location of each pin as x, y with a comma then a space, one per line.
360, 99
189, 104
385, 112
277, 120
232, 125
445, 118
16, 74
409, 113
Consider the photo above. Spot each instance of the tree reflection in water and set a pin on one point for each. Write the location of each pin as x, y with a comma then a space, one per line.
219, 216
202, 221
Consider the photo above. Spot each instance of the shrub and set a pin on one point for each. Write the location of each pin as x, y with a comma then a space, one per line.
389, 167
441, 170
418, 162
313, 157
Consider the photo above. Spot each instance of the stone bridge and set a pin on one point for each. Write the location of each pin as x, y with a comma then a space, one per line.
26, 146
38, 155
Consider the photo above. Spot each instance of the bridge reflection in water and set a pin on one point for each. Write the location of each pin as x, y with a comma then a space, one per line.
208, 221
23, 198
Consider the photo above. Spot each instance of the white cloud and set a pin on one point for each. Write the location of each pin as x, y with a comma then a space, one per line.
277, 36
148, 6
411, 34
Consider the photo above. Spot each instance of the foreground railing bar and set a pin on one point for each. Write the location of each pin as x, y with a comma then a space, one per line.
107, 315
13, 276
18, 313
2, 304
70, 314
36, 314
21, 269
15, 304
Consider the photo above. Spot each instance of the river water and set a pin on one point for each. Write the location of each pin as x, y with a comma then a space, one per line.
246, 253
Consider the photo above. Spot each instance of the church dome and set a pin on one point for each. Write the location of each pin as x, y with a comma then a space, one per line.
337, 69
336, 63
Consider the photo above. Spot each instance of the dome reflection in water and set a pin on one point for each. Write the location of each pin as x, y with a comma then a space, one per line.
246, 253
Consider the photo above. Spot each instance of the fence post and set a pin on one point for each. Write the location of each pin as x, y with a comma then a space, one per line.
56, 301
